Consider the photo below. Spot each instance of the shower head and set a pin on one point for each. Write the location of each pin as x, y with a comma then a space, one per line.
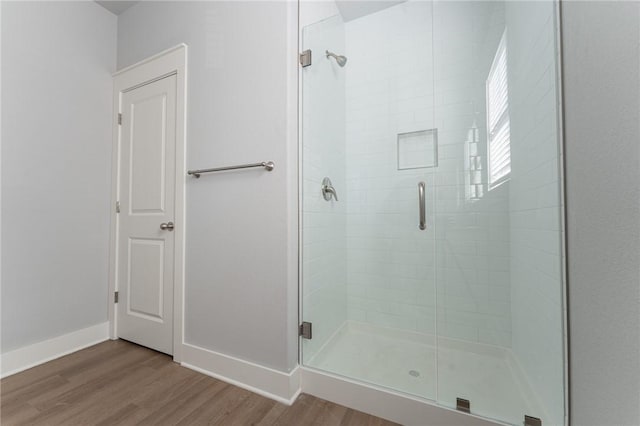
341, 60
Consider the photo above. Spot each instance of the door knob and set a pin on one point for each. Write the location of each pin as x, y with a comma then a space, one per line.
166, 226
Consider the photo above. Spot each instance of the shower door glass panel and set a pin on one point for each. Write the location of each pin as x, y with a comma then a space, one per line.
368, 271
498, 235
462, 96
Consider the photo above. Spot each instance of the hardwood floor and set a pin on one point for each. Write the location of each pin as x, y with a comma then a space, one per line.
119, 383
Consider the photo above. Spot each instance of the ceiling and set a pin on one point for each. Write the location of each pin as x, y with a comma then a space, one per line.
353, 9
349, 9
116, 6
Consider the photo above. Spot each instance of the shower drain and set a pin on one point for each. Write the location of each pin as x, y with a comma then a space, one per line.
414, 373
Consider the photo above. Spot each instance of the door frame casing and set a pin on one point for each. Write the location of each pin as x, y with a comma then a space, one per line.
172, 61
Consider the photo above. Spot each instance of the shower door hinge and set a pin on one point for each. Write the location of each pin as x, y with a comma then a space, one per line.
117, 206
305, 58
463, 405
305, 330
119, 119
532, 421
115, 297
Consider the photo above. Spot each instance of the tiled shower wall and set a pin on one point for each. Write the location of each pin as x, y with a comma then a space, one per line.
324, 250
407, 72
389, 91
472, 233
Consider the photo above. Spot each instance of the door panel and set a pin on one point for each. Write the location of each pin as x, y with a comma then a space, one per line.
146, 278
148, 147
147, 194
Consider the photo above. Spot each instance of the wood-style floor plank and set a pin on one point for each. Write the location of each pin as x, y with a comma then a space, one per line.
76, 359
120, 383
272, 415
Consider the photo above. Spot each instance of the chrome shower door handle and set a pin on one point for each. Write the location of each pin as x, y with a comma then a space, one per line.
421, 207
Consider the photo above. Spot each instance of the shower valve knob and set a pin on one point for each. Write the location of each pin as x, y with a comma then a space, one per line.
328, 190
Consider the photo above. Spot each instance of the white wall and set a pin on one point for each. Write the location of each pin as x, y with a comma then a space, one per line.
57, 60
240, 296
323, 154
602, 128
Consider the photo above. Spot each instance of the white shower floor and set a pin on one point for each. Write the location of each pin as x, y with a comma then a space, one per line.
406, 362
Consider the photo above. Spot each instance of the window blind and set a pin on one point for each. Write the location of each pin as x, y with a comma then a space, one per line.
498, 138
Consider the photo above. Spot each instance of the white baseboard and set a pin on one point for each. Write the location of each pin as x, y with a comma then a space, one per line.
41, 352
387, 404
273, 384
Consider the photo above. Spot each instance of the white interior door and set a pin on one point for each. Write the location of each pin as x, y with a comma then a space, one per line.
147, 210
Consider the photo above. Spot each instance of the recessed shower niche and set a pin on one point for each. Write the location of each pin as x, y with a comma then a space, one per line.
418, 150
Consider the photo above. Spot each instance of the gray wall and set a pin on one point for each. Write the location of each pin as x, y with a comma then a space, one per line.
602, 119
57, 60
240, 295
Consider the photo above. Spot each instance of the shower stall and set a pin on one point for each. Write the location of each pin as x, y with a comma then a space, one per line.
431, 203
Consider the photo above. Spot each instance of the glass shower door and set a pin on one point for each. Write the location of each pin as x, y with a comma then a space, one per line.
324, 245
443, 112
498, 240
368, 284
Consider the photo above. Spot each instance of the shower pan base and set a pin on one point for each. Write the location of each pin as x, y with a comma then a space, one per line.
403, 364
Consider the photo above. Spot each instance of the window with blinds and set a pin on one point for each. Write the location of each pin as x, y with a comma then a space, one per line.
498, 137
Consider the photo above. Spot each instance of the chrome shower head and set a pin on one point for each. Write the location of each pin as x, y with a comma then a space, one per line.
341, 60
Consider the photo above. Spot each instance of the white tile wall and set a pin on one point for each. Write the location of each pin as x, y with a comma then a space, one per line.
323, 154
401, 78
534, 202
472, 236
389, 88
